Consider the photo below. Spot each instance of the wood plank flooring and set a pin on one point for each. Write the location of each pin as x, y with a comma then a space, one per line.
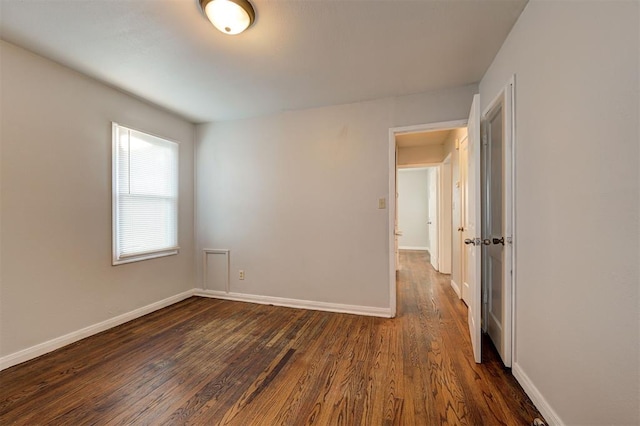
206, 361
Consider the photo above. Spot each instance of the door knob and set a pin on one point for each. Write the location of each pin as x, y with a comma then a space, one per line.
469, 241
498, 241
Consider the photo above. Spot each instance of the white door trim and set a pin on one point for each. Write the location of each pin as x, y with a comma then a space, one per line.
393, 131
508, 93
417, 166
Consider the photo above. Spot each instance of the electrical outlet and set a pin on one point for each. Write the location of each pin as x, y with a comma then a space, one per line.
241, 274
382, 203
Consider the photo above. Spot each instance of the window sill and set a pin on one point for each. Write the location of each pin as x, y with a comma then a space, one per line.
144, 256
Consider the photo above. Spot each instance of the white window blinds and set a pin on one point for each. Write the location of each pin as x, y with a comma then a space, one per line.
145, 196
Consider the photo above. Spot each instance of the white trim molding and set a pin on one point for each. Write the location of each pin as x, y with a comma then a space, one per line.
297, 303
456, 288
58, 342
441, 125
413, 248
505, 99
539, 401
53, 344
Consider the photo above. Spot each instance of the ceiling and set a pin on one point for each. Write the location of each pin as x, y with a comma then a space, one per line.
298, 54
428, 138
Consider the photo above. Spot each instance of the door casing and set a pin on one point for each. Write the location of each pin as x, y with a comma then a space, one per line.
506, 100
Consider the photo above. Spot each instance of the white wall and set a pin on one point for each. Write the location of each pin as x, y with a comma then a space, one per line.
413, 208
55, 134
577, 188
294, 196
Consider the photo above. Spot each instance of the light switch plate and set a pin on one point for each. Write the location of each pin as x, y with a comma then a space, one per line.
382, 203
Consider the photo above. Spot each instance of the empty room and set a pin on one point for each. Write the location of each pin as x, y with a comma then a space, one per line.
290, 212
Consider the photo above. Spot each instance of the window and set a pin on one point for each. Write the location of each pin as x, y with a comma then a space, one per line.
145, 196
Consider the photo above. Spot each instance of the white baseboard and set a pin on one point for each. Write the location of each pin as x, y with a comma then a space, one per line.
297, 303
539, 401
53, 344
413, 248
456, 288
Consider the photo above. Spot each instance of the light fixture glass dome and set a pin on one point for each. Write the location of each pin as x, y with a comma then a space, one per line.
229, 16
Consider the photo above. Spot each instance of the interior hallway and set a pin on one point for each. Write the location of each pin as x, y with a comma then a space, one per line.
435, 321
207, 361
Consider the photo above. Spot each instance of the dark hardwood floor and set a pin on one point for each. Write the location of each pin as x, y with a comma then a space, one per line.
206, 361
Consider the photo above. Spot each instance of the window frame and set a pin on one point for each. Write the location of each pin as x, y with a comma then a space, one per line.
119, 259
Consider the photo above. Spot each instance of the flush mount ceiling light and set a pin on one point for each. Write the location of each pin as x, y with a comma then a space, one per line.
229, 16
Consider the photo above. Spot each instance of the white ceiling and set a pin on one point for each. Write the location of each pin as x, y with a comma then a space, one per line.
298, 54
428, 138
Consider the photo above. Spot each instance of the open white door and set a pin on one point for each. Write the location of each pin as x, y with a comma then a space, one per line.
465, 291
445, 207
433, 219
396, 232
472, 229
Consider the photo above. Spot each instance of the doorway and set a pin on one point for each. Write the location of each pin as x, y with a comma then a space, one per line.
482, 220
422, 146
413, 209
418, 211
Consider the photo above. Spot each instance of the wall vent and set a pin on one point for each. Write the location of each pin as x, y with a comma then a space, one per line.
216, 270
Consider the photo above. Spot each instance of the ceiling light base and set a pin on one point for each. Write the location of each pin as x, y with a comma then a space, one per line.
229, 16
